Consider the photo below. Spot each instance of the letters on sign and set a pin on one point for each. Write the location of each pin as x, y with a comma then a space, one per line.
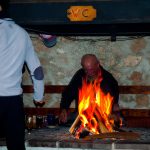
81, 13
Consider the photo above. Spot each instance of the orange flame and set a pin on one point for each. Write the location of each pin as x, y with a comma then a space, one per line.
94, 107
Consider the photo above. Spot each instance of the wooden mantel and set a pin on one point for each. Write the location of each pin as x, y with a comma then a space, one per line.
113, 17
124, 89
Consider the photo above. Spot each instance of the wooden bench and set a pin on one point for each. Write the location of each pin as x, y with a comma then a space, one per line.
134, 117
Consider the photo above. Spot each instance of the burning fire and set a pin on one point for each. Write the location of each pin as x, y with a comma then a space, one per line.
94, 108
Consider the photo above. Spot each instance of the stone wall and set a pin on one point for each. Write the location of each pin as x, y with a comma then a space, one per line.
127, 59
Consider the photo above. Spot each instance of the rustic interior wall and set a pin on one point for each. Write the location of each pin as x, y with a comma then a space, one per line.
127, 59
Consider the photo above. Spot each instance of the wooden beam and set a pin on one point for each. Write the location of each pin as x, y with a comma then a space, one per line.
133, 89
117, 135
48, 88
133, 117
133, 19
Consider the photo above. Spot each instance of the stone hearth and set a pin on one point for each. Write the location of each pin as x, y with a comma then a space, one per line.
59, 137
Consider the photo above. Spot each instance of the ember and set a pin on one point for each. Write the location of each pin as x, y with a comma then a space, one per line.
95, 109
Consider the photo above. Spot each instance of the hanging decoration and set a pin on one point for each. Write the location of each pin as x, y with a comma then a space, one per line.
48, 40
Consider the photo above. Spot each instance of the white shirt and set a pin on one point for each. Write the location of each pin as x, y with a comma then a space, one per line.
15, 49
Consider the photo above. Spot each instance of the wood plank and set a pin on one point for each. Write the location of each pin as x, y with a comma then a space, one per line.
48, 88
118, 135
136, 112
133, 89
133, 117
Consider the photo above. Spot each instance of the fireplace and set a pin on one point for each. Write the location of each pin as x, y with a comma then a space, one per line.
59, 137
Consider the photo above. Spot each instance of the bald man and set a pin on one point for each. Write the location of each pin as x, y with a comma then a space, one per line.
91, 70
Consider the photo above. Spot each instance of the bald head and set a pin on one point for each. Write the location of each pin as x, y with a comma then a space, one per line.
90, 64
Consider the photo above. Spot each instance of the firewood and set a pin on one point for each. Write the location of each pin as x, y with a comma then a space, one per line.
75, 124
117, 135
102, 127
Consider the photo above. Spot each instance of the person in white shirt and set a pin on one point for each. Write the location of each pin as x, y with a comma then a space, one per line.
16, 49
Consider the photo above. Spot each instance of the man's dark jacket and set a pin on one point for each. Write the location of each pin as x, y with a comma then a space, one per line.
108, 84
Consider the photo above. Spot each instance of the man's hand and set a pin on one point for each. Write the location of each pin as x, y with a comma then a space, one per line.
63, 116
39, 103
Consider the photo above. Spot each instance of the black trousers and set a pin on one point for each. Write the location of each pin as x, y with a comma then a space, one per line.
12, 121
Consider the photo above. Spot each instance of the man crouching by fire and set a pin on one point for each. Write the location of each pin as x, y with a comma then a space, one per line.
96, 93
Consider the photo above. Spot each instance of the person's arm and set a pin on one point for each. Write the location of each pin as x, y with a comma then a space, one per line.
36, 73
110, 85
71, 91
115, 94
116, 113
115, 91
70, 94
